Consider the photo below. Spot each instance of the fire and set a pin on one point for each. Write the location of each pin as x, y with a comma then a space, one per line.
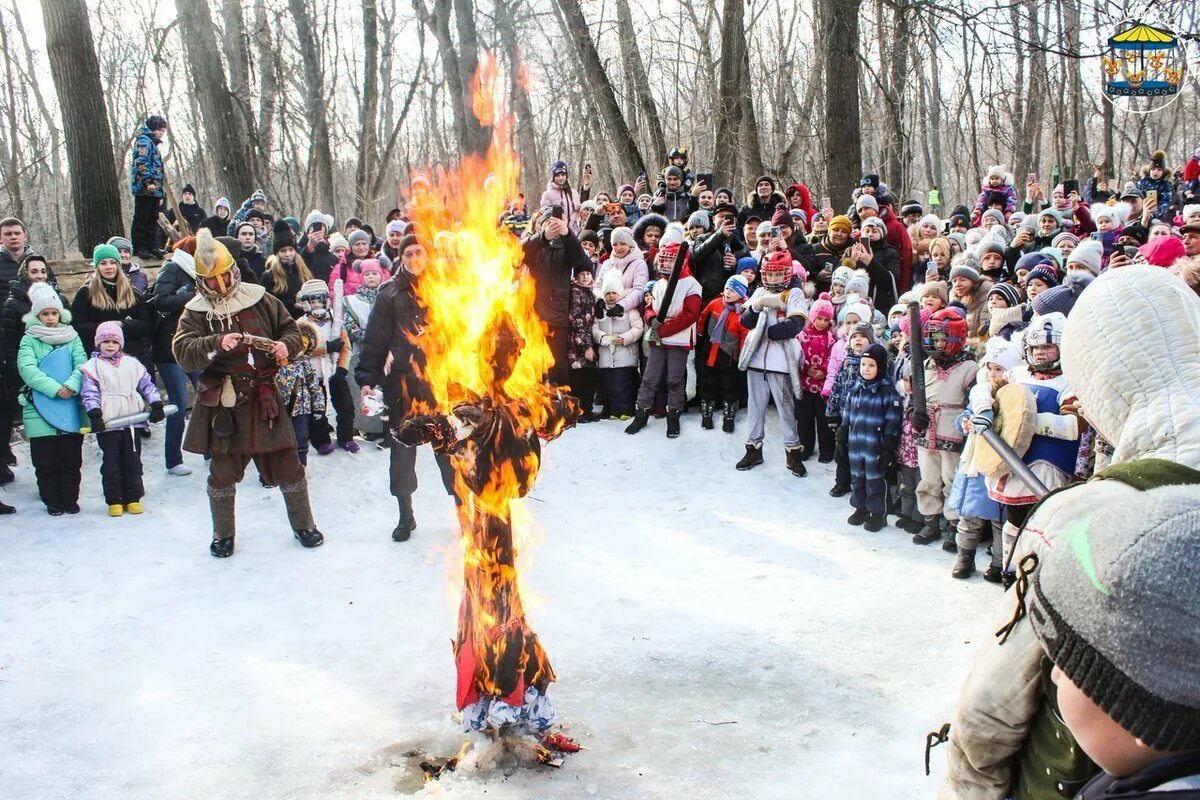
487, 354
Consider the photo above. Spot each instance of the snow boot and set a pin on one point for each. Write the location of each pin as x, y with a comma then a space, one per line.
299, 512
706, 416
6, 474
858, 517
875, 523
728, 417
221, 504
950, 544
115, 509
221, 548
5, 508
839, 490
753, 457
964, 567
641, 416
672, 423
133, 508
913, 525
992, 574
310, 537
795, 461
407, 523
931, 532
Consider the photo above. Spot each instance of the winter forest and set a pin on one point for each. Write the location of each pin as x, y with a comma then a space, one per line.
330, 104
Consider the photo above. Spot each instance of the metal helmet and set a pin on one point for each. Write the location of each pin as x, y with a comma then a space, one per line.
776, 271
1044, 329
945, 334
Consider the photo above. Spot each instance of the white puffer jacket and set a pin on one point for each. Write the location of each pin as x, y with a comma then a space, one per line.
1131, 353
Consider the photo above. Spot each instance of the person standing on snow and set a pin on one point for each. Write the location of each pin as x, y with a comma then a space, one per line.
146, 186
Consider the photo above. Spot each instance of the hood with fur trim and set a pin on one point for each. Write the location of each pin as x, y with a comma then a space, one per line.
775, 199
639, 227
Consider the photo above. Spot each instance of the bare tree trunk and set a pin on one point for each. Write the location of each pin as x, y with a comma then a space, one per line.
639, 83
237, 49
751, 145
314, 106
55, 134
228, 137
526, 130
370, 108
843, 161
76, 76
478, 136
935, 112
12, 171
268, 82
1079, 149
601, 90
467, 130
729, 104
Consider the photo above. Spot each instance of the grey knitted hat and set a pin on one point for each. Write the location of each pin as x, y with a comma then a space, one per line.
1117, 608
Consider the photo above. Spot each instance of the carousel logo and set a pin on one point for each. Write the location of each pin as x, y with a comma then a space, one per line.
1143, 61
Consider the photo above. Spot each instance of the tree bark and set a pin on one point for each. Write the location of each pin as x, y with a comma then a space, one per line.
12, 171
639, 83
843, 162
368, 115
268, 82
729, 105
895, 140
601, 90
314, 107
228, 137
478, 136
523, 119
76, 75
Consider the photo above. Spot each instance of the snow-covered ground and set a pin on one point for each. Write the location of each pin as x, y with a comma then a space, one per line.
716, 634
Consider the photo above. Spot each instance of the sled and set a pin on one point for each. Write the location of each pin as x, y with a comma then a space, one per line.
63, 414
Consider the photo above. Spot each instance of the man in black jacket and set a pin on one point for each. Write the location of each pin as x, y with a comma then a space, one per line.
174, 286
396, 320
551, 256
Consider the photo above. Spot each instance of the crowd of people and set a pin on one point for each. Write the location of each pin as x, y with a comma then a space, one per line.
889, 338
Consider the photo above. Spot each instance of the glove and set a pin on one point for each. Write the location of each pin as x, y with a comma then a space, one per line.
156, 411
842, 436
599, 307
834, 423
96, 420
654, 323
920, 421
982, 421
616, 312
334, 346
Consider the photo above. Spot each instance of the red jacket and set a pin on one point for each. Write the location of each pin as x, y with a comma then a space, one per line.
733, 325
897, 236
1191, 172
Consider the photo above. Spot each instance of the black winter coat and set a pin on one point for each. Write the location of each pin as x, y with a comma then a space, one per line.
172, 289
216, 225
193, 215
319, 260
286, 294
708, 265
136, 323
256, 262
396, 319
550, 265
9, 266
884, 273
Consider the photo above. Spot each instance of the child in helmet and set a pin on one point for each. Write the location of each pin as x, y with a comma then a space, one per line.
871, 428
949, 375
671, 336
1052, 452
724, 335
330, 355
771, 356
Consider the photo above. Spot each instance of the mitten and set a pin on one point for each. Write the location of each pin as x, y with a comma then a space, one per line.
156, 411
96, 420
616, 312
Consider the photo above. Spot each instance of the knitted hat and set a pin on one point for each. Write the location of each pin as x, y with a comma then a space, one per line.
699, 219
996, 214
337, 241
959, 220
1011, 295
877, 353
311, 288
905, 322
899, 308
866, 201
121, 243
110, 332
841, 223
1189, 210
870, 179
1066, 237
357, 236
612, 283
764, 229
187, 187
1045, 273
370, 265
1054, 257
747, 263
875, 222
673, 171
766, 178
103, 251
738, 284
842, 275
558, 168
799, 218
858, 285
912, 207
1116, 614
936, 289
589, 236
862, 329
1001, 352
625, 187
1088, 254
967, 266
672, 235
283, 237
861, 310
821, 308
930, 219
43, 296
622, 236
396, 226
314, 219
1056, 298
1052, 214
989, 244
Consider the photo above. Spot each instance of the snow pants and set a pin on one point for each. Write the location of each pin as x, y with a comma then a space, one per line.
907, 480
343, 404
57, 462
121, 469
937, 476
583, 387
619, 388
143, 229
719, 384
867, 494
402, 470
671, 362
812, 425
300, 427
763, 387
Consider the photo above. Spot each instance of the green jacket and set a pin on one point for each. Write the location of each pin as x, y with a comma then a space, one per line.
30, 353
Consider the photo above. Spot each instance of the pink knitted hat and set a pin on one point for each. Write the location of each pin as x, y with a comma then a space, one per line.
110, 332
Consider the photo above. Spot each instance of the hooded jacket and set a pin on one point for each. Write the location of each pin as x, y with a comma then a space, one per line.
764, 210
146, 165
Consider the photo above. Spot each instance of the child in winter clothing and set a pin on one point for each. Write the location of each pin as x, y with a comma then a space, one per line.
356, 313
724, 334
117, 385
672, 336
908, 473
770, 356
997, 181
330, 356
1109, 224
617, 337
581, 354
816, 344
843, 372
968, 495
949, 374
871, 429
301, 388
1158, 179
57, 455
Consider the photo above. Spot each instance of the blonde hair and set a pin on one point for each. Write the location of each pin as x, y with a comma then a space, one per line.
98, 296
941, 243
278, 272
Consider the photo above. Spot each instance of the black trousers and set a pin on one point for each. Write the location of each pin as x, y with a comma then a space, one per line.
57, 461
402, 472
10, 410
719, 384
557, 337
811, 424
121, 469
143, 229
343, 404
583, 386
620, 385
841, 457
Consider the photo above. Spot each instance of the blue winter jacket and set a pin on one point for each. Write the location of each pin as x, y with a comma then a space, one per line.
146, 165
1162, 210
874, 416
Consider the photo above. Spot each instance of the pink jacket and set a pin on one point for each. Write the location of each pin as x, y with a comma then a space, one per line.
817, 348
352, 278
836, 356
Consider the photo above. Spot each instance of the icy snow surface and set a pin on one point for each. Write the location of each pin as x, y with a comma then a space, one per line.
717, 634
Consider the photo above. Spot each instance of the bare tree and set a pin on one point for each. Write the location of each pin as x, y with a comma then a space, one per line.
838, 26
638, 83
370, 107
321, 157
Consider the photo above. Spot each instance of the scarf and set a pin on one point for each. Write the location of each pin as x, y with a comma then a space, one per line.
58, 335
369, 296
719, 329
222, 309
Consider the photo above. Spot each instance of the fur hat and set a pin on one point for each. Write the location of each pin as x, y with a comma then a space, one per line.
822, 307
841, 223
999, 171
1011, 295
1088, 253
1158, 159
110, 332
612, 283
41, 297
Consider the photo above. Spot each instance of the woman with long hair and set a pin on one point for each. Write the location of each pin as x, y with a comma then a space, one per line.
286, 272
108, 296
